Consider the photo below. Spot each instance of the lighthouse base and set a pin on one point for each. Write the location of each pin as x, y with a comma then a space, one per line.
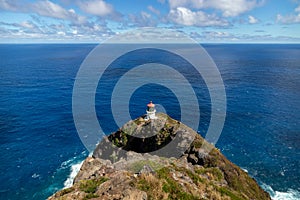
150, 115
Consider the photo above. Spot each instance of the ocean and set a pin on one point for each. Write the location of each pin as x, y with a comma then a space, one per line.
40, 150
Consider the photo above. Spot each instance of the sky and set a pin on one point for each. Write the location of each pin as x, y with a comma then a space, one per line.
94, 21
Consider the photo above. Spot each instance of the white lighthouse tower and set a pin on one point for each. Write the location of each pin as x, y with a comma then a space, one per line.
150, 111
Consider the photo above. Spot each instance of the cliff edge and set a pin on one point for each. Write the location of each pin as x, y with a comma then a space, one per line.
175, 163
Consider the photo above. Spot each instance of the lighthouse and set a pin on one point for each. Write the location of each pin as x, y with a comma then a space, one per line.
150, 111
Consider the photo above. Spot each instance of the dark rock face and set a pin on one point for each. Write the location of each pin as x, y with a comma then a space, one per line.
163, 136
128, 164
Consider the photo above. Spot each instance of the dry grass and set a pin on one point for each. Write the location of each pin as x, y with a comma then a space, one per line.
152, 185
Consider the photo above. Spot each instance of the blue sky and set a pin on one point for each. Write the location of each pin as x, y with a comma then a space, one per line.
207, 21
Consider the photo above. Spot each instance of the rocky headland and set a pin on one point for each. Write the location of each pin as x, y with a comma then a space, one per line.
174, 163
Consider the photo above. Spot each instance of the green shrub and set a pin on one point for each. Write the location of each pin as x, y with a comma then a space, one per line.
138, 165
144, 185
90, 196
225, 191
90, 186
66, 191
172, 187
216, 172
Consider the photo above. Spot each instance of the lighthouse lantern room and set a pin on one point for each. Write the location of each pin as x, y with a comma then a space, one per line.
150, 111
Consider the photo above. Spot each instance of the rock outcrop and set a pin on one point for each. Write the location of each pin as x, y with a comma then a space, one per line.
129, 164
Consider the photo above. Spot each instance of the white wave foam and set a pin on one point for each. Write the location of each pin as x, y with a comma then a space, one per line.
74, 170
75, 167
276, 195
244, 169
289, 195
35, 175
66, 164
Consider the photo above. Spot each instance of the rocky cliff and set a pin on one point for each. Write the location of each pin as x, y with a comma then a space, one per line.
159, 159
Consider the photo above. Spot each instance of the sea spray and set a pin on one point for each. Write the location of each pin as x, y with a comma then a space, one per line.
290, 194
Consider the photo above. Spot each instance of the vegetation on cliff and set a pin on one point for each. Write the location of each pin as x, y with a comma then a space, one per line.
120, 168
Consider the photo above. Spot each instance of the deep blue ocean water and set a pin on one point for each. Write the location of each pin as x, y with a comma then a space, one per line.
39, 143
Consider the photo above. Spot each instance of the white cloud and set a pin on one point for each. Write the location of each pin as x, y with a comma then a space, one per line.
214, 36
74, 26
61, 33
288, 19
229, 8
72, 11
184, 16
43, 8
291, 18
179, 3
96, 7
152, 9
54, 32
145, 15
50, 9
75, 32
217, 36
27, 24
143, 19
10, 5
252, 20
161, 1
